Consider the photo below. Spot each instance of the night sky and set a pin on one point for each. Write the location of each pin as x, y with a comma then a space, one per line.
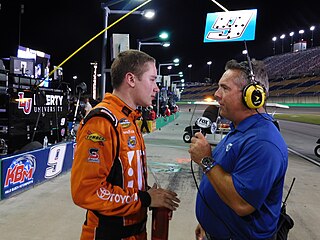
61, 27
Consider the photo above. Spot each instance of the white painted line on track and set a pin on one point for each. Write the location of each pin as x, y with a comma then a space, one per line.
305, 157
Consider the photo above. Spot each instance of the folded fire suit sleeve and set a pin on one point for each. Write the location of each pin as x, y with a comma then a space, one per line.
95, 155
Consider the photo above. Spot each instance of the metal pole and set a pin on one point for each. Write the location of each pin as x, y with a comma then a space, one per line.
158, 94
103, 78
94, 66
158, 100
274, 48
20, 15
73, 133
149, 44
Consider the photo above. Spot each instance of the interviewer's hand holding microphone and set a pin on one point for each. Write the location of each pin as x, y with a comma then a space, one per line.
199, 148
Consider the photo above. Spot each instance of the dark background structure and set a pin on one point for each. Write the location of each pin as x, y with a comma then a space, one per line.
61, 27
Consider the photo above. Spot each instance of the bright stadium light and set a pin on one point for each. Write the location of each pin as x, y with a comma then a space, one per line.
164, 35
176, 60
148, 13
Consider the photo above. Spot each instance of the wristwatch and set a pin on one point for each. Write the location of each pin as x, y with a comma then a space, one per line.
207, 164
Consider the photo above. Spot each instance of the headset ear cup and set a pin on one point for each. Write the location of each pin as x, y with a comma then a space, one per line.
253, 96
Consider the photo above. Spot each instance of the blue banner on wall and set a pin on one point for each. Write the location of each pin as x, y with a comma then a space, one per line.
22, 171
230, 26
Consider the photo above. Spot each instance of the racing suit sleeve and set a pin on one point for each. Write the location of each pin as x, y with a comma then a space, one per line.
94, 156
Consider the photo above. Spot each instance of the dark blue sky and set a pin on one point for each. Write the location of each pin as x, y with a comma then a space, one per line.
60, 27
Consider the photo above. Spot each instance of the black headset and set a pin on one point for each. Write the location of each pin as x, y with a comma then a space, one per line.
253, 94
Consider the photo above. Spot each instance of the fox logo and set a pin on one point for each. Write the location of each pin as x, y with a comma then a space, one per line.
24, 103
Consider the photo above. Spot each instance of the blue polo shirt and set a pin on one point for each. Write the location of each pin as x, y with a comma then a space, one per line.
256, 156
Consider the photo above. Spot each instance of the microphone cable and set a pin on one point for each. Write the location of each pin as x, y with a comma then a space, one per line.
207, 204
218, 119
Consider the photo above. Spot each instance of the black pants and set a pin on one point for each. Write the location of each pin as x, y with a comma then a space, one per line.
144, 124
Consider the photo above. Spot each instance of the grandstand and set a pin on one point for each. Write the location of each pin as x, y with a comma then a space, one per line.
198, 91
294, 78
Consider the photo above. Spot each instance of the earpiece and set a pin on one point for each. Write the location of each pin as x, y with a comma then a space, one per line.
253, 96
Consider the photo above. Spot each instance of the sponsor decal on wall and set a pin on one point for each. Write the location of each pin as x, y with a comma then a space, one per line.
55, 160
53, 103
20, 173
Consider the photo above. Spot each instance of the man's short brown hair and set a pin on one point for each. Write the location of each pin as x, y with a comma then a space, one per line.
133, 61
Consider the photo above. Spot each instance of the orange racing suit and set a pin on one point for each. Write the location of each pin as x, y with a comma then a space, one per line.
109, 172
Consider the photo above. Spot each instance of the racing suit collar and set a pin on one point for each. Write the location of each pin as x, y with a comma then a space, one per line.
125, 109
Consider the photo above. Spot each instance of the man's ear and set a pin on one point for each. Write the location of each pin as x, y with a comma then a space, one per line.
130, 79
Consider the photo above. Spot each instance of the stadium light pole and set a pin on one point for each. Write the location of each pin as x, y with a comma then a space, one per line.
177, 82
161, 36
209, 64
301, 32
312, 29
149, 14
282, 37
75, 77
244, 53
163, 44
190, 67
174, 62
274, 39
20, 16
291, 44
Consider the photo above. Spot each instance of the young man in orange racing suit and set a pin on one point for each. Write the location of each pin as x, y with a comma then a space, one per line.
109, 172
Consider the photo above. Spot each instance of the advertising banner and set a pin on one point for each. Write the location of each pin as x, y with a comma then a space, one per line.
29, 116
22, 171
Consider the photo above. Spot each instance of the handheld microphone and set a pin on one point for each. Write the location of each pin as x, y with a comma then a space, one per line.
208, 122
204, 124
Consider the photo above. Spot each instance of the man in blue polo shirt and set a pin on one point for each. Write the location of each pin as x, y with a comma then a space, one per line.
241, 190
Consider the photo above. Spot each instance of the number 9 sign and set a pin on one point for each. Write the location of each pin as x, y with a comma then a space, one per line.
55, 160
